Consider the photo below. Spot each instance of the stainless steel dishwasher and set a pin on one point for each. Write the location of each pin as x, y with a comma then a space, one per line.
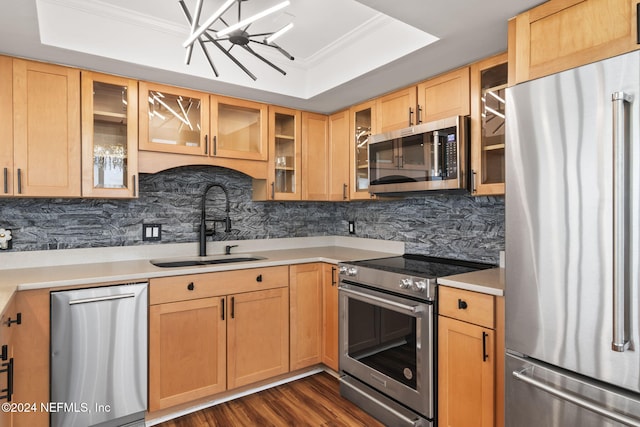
99, 356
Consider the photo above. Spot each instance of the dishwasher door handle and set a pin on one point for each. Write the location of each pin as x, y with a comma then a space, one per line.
98, 299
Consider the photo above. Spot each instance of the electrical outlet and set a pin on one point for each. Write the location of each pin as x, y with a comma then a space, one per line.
352, 227
152, 232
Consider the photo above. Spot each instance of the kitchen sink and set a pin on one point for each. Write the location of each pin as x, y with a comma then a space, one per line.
207, 260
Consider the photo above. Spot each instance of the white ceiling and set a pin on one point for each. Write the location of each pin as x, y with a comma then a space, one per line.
346, 51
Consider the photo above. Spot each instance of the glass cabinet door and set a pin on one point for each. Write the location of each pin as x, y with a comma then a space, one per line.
239, 128
362, 127
285, 147
174, 120
109, 136
489, 82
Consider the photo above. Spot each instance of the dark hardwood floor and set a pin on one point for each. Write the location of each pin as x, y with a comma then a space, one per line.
311, 401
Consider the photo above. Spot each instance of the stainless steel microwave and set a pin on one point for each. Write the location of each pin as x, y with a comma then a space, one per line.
429, 156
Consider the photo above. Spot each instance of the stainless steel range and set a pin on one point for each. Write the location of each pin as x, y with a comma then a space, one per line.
387, 335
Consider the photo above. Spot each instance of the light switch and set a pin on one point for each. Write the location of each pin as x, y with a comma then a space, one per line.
151, 232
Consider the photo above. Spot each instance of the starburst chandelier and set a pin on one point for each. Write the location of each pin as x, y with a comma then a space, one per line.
229, 35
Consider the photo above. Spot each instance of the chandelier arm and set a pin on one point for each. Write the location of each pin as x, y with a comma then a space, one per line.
277, 47
193, 22
206, 54
263, 59
238, 63
260, 34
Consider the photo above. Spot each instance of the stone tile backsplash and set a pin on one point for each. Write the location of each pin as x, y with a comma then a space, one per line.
448, 225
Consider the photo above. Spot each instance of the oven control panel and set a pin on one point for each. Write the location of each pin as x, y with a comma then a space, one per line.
392, 282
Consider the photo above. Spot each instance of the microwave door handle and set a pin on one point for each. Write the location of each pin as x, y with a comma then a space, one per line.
436, 154
621, 173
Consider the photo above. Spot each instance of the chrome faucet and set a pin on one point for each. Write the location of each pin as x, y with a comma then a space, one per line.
204, 231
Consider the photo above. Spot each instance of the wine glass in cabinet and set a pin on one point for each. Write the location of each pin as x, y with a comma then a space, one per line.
109, 136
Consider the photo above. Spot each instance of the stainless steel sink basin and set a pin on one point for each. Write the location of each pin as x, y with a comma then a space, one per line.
207, 260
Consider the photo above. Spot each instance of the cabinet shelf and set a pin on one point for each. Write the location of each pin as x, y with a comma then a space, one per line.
287, 137
285, 168
108, 116
493, 147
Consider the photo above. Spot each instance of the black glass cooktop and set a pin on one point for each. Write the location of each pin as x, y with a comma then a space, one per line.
422, 266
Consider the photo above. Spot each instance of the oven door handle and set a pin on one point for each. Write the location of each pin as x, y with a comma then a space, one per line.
412, 310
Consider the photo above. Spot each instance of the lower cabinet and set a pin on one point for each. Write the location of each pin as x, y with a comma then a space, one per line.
330, 316
468, 359
305, 291
216, 331
6, 360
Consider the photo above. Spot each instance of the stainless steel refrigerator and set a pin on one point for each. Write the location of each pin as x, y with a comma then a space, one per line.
572, 247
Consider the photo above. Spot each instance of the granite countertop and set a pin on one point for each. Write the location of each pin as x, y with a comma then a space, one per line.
91, 273
489, 281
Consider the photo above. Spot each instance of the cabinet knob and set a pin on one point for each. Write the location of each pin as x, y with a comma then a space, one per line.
191, 286
462, 305
259, 278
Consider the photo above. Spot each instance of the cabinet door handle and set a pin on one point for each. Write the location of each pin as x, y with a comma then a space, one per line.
215, 145
17, 320
206, 145
8, 368
191, 286
485, 356
222, 304
419, 114
333, 276
410, 116
19, 181
5, 352
273, 190
259, 278
135, 185
233, 307
344, 191
473, 181
462, 304
6, 180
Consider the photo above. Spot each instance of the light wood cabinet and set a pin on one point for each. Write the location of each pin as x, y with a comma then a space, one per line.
109, 136
397, 110
46, 130
257, 336
446, 95
239, 128
285, 146
488, 103
330, 355
216, 331
6, 125
315, 156
338, 168
187, 351
563, 34
173, 120
470, 358
363, 122
305, 296
7, 360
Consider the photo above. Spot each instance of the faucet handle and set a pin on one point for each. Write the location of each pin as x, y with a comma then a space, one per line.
227, 249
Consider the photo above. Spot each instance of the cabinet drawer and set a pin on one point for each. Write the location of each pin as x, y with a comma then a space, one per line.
194, 286
472, 307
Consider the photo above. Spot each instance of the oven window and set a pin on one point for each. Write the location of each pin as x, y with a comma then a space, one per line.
384, 340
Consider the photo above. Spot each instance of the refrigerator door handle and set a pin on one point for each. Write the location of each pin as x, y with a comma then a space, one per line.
573, 398
621, 172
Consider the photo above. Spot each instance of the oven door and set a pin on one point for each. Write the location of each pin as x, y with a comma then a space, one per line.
386, 341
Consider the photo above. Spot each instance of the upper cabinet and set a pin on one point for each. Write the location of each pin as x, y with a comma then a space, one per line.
362, 124
488, 85
6, 125
239, 128
338, 168
563, 34
285, 146
444, 96
315, 156
173, 120
397, 110
46, 130
109, 136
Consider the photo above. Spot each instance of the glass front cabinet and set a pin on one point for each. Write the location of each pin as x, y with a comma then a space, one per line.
239, 128
173, 120
109, 136
285, 142
363, 125
488, 85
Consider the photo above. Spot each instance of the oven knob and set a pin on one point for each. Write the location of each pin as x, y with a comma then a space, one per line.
419, 285
405, 283
352, 271
343, 269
